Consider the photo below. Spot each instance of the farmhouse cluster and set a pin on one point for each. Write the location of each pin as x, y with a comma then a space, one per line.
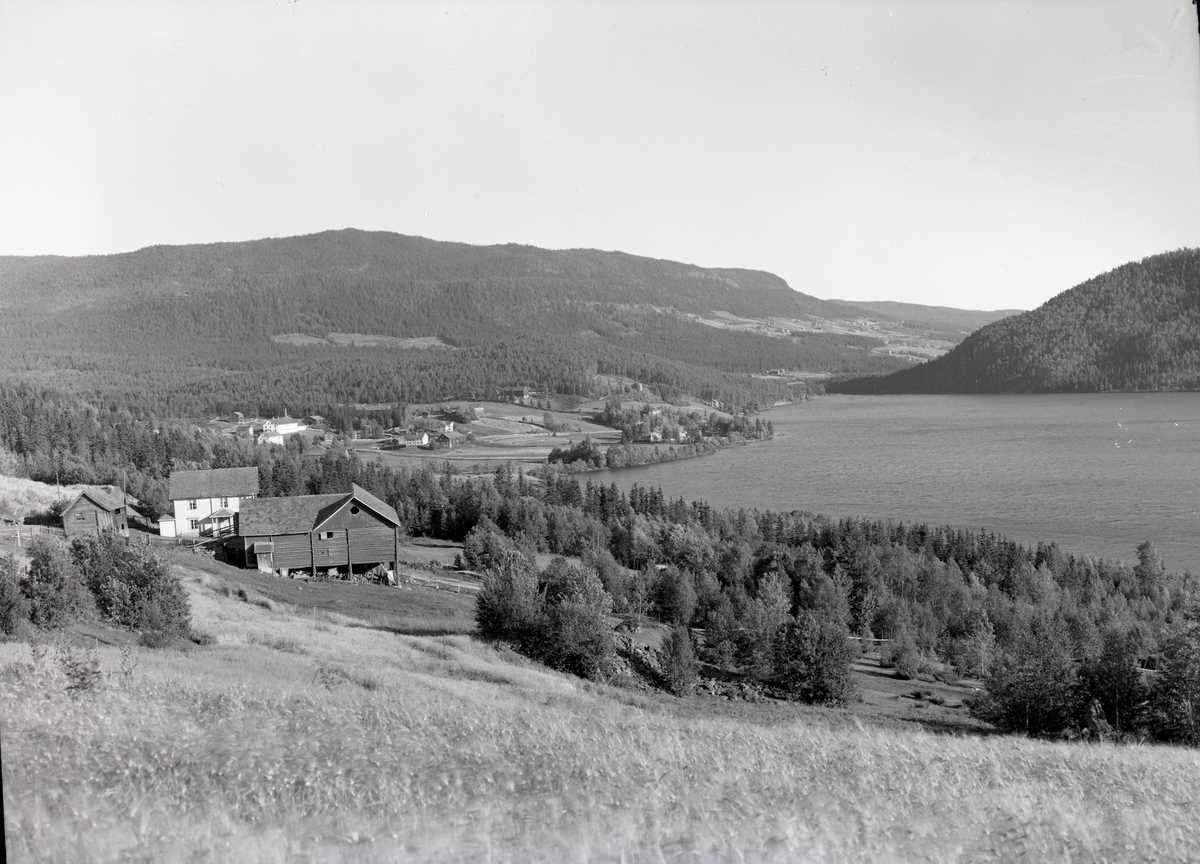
311, 534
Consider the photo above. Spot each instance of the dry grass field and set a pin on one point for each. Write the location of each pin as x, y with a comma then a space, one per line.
20, 497
310, 735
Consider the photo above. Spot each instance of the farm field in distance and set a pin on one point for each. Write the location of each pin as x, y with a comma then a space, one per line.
507, 432
297, 735
893, 338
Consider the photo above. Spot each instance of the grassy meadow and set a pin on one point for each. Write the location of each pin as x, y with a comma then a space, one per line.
307, 734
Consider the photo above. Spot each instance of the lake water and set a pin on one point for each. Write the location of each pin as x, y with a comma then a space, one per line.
1098, 473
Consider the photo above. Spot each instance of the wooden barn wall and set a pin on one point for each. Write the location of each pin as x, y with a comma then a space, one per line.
372, 545
94, 519
330, 553
292, 551
364, 518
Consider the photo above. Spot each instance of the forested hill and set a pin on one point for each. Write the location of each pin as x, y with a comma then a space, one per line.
1134, 328
365, 261
192, 330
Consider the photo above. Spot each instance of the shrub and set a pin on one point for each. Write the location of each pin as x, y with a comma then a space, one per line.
1032, 686
902, 656
1113, 678
560, 619
1175, 697
720, 634
14, 606
812, 660
510, 606
577, 637
55, 589
678, 661
675, 596
133, 587
485, 545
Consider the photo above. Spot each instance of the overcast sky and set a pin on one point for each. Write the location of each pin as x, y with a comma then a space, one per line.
974, 154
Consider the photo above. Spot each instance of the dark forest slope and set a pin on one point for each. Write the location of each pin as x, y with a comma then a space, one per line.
1134, 328
187, 330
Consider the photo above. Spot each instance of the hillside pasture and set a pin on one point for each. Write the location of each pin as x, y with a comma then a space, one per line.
21, 497
296, 737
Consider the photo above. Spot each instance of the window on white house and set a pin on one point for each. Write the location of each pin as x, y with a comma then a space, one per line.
325, 535
192, 504
195, 524
224, 502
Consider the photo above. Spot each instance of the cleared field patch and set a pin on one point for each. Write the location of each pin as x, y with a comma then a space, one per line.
362, 340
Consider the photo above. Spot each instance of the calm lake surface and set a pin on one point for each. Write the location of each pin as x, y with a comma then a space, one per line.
1098, 473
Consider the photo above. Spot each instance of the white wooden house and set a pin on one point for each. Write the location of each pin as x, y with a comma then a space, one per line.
206, 503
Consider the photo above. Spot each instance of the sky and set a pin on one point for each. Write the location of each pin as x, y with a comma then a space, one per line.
985, 155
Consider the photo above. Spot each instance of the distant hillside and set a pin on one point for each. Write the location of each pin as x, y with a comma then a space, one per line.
191, 330
1134, 328
939, 321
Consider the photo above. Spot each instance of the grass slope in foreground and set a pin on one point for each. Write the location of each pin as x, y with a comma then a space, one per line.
296, 737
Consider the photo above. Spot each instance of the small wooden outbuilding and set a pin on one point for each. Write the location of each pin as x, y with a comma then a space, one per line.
95, 511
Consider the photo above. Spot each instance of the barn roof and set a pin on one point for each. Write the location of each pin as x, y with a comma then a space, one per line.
301, 514
214, 483
294, 515
376, 504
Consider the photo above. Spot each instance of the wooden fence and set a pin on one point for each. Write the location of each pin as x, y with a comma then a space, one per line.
21, 535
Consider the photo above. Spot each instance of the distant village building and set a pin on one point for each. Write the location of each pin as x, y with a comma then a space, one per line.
276, 430
517, 395
94, 511
206, 503
416, 439
449, 439
305, 534
282, 426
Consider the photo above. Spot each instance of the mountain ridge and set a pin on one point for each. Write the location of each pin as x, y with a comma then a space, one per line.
1135, 327
192, 327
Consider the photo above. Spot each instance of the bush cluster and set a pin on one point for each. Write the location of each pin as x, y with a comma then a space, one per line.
812, 660
102, 576
559, 617
1037, 687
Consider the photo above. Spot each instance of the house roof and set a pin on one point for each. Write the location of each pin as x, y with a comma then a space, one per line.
100, 498
215, 483
301, 514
